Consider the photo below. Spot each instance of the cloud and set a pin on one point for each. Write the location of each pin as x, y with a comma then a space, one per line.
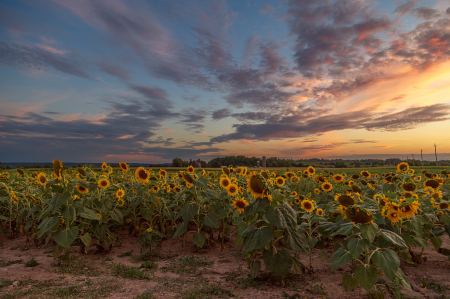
221, 113
397, 98
425, 13
23, 56
405, 8
111, 67
267, 8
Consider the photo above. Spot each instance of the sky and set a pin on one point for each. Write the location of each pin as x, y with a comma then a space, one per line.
148, 81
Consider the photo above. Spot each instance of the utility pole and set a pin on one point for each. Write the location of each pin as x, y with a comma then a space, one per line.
421, 156
414, 161
435, 153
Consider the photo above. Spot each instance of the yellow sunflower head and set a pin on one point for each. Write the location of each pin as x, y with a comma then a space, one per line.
345, 200
162, 173
104, 166
142, 175
57, 167
233, 190
307, 205
365, 174
190, 169
409, 210
225, 182
42, 179
327, 187
431, 184
319, 212
280, 181
155, 188
295, 179
310, 170
393, 216
358, 215
403, 166
120, 193
338, 178
239, 204
124, 166
256, 185
120, 202
81, 189
103, 183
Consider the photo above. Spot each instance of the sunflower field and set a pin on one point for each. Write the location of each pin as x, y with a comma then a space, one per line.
272, 216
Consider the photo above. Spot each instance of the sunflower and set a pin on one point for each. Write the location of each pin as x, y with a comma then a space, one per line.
104, 166
310, 170
233, 190
81, 189
394, 217
239, 204
266, 175
41, 179
443, 205
295, 179
256, 185
142, 175
319, 212
103, 183
57, 167
225, 170
225, 182
411, 195
124, 166
409, 210
327, 187
120, 193
177, 189
307, 205
403, 166
431, 183
155, 188
120, 202
289, 174
293, 193
280, 181
365, 174
191, 169
372, 187
338, 178
437, 194
358, 215
81, 171
162, 173
345, 200
355, 177
149, 230
31, 197
187, 178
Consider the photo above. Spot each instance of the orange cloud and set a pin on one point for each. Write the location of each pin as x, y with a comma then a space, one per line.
50, 49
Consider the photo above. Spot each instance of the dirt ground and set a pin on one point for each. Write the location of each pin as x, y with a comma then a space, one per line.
211, 273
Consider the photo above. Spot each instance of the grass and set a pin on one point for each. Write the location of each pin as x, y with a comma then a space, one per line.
433, 286
32, 263
145, 295
128, 272
78, 267
149, 265
128, 253
5, 283
186, 265
4, 263
207, 291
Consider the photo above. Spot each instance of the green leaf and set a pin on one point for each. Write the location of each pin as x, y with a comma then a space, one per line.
280, 263
340, 258
57, 250
437, 242
46, 225
312, 241
298, 267
189, 211
296, 241
388, 261
407, 237
357, 246
259, 205
376, 295
99, 230
401, 280
147, 212
344, 230
256, 238
349, 282
65, 238
414, 225
255, 268
89, 214
283, 217
369, 231
366, 276
58, 201
181, 229
445, 218
86, 238
323, 254
393, 237
69, 212
117, 216
211, 220
421, 241
199, 239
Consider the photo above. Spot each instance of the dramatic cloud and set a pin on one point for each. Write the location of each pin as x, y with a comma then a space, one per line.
405, 8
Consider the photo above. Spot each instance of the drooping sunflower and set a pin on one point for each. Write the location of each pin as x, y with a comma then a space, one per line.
345, 200
142, 175
120, 193
265, 174
358, 215
289, 174
42, 179
239, 204
190, 169
103, 183
365, 174
355, 177
431, 183
233, 190
443, 205
256, 186
81, 189
319, 212
403, 166
57, 167
327, 187
295, 179
280, 181
307, 205
124, 166
225, 170
409, 210
393, 216
120, 202
224, 182
162, 173
338, 178
104, 166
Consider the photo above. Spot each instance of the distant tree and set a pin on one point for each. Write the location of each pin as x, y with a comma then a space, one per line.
177, 162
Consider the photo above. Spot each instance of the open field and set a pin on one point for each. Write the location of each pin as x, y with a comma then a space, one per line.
201, 233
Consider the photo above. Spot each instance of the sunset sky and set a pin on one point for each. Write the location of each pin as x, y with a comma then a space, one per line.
148, 81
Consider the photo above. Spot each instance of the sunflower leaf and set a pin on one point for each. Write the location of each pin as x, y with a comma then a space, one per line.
283, 216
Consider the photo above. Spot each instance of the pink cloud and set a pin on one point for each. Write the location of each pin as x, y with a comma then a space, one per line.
50, 49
